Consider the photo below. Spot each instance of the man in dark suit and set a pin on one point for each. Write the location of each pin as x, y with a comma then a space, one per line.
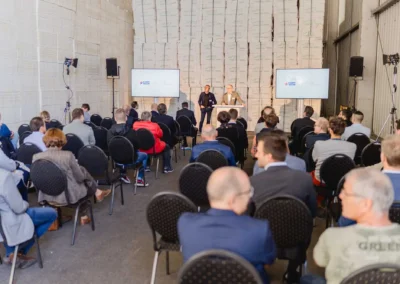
132, 114
206, 102
189, 114
168, 121
298, 124
243, 140
154, 111
224, 226
321, 132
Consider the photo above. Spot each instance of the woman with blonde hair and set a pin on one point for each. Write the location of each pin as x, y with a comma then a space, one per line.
45, 115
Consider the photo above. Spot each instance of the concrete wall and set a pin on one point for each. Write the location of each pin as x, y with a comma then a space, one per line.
35, 38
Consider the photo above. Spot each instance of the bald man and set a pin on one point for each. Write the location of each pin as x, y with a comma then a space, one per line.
231, 96
223, 226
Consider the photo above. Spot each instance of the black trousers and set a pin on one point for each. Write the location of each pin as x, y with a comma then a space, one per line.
204, 111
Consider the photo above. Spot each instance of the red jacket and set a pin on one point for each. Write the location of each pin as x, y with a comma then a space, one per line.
157, 133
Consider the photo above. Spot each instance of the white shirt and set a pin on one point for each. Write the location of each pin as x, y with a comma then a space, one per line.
356, 128
275, 164
36, 138
229, 98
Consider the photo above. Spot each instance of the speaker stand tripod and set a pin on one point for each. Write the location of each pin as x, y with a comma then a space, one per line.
113, 93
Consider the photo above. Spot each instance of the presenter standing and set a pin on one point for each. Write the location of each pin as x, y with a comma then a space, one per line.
206, 102
231, 96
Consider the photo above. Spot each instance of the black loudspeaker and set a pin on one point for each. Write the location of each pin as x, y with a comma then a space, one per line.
356, 66
112, 67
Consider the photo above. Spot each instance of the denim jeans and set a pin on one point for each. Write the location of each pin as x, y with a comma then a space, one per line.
142, 158
42, 218
312, 279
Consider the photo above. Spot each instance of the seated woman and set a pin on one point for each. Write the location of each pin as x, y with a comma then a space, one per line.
270, 122
7, 133
45, 115
261, 121
80, 182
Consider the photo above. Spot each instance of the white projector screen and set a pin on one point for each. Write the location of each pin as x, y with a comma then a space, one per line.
155, 83
302, 83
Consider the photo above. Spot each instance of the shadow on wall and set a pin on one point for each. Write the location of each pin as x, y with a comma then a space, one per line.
287, 114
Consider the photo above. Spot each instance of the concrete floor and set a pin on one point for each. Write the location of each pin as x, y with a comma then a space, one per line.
120, 250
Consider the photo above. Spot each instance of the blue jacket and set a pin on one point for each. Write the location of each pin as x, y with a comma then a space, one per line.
213, 145
154, 113
5, 131
311, 139
223, 229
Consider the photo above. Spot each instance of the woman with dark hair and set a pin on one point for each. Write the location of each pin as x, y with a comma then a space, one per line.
223, 117
261, 121
86, 114
346, 115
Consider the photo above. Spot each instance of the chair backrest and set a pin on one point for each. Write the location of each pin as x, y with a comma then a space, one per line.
303, 131
178, 131
213, 159
106, 122
145, 138
185, 124
49, 178
193, 183
23, 136
23, 128
240, 123
377, 273
290, 221
218, 266
96, 119
167, 137
309, 160
26, 151
100, 135
243, 122
225, 141
74, 144
54, 123
121, 150
394, 212
163, 212
93, 159
302, 148
361, 140
371, 154
334, 168
91, 124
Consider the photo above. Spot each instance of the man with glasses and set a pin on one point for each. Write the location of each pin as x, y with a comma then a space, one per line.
223, 226
321, 132
366, 198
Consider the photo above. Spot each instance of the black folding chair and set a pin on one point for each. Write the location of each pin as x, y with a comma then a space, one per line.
299, 138
24, 128
26, 151
361, 140
91, 124
243, 122
371, 154
193, 183
146, 142
218, 266
74, 144
23, 136
394, 212
291, 224
100, 135
54, 123
334, 209
187, 129
163, 213
106, 122
213, 159
387, 273
168, 138
225, 141
96, 119
308, 158
51, 180
178, 135
302, 148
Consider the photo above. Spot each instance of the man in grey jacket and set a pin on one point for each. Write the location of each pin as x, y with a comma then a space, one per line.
19, 222
77, 127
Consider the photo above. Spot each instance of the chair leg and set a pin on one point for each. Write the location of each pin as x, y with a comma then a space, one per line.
75, 224
136, 178
39, 255
303, 268
59, 216
122, 194
153, 272
14, 262
158, 162
176, 155
112, 200
94, 199
167, 261
91, 215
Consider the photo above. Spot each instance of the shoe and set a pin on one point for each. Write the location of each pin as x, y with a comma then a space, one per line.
140, 183
8, 260
168, 170
188, 148
103, 194
125, 179
147, 169
26, 261
85, 220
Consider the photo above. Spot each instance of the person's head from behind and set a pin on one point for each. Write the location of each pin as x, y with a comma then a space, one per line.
357, 117
308, 111
209, 133
54, 138
267, 110
126, 109
185, 105
271, 147
85, 107
321, 125
390, 155
345, 114
223, 117
229, 188
37, 125
234, 114
135, 105
367, 195
145, 116
336, 127
120, 116
162, 109
77, 114
270, 120
206, 89
154, 107
45, 115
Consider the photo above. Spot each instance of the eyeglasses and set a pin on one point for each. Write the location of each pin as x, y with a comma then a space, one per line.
250, 192
346, 194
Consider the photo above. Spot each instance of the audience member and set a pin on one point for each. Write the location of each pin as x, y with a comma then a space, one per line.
154, 111
86, 113
209, 136
325, 149
160, 146
189, 114
19, 222
321, 132
298, 124
168, 121
270, 122
292, 162
356, 127
7, 133
77, 127
346, 115
80, 182
120, 129
131, 113
224, 227
366, 197
261, 121
244, 141
45, 115
223, 118
38, 130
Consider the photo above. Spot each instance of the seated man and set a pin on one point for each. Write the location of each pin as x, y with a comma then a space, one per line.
298, 124
154, 111
77, 127
356, 127
270, 122
209, 136
321, 132
261, 121
20, 222
160, 146
366, 197
38, 128
189, 114
168, 121
325, 149
86, 113
244, 141
223, 226
120, 129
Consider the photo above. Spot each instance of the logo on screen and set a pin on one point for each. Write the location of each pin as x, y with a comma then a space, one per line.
290, 83
144, 82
